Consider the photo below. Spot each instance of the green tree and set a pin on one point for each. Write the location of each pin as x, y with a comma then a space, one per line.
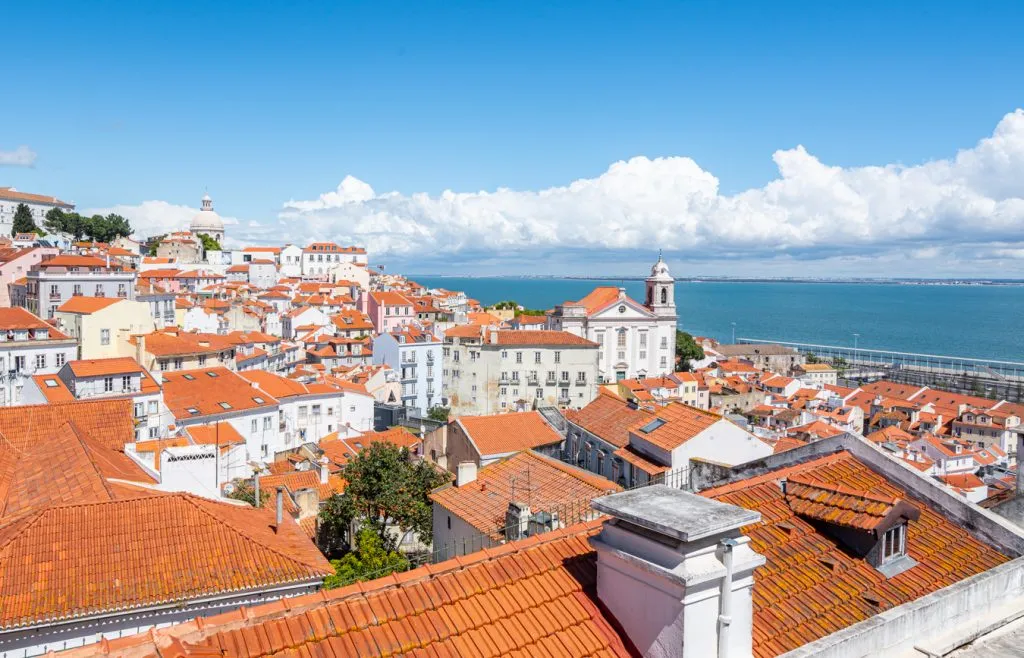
439, 414
106, 229
687, 350
812, 358
70, 223
245, 490
209, 243
371, 560
23, 222
384, 489
154, 243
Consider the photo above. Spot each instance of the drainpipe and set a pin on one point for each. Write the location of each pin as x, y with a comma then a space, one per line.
725, 613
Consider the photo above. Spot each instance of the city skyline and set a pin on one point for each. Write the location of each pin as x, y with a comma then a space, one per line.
743, 141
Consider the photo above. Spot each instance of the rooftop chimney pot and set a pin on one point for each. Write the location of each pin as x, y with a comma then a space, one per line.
280, 508
466, 474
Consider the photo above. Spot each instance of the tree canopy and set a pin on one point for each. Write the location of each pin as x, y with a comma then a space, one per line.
245, 490
510, 304
371, 560
209, 243
23, 222
98, 228
439, 414
687, 350
384, 489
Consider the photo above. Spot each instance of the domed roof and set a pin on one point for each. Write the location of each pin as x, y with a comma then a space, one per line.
660, 270
206, 220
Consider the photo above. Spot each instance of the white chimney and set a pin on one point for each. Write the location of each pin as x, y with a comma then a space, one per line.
324, 470
672, 566
466, 473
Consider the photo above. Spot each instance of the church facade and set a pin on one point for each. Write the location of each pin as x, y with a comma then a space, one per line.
636, 339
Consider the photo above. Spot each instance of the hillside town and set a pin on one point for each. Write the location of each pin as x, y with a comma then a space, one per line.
284, 449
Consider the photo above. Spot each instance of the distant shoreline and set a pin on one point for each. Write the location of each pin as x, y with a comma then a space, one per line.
716, 279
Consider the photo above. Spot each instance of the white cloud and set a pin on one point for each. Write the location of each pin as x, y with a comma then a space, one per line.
811, 210
939, 214
158, 217
22, 156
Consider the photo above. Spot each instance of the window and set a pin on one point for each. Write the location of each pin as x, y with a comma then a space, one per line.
54, 291
224, 405
504, 354
108, 384
664, 343
153, 407
519, 357
61, 358
536, 357
540, 393
255, 425
565, 375
78, 289
202, 360
41, 360
504, 390
643, 339
558, 357
267, 421
104, 336
664, 362
620, 339
154, 432
894, 542
126, 382
316, 409
177, 364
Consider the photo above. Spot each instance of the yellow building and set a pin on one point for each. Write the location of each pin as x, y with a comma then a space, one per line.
103, 325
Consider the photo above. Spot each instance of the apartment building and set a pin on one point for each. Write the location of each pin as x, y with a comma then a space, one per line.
28, 346
491, 370
416, 355
55, 280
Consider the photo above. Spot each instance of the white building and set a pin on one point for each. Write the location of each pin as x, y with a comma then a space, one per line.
208, 222
38, 204
637, 340
488, 371
291, 261
28, 346
319, 258
309, 412
211, 395
416, 355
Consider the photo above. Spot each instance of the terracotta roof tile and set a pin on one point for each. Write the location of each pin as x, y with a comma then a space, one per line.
101, 367
553, 486
609, 417
206, 391
500, 434
680, 423
86, 305
62, 562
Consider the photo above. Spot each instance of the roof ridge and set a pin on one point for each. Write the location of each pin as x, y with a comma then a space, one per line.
196, 501
88, 455
771, 476
808, 480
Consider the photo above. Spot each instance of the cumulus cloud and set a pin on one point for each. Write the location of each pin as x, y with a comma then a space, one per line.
812, 209
159, 217
22, 156
967, 206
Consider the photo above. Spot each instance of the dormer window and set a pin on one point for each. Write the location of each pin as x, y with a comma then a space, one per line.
894, 543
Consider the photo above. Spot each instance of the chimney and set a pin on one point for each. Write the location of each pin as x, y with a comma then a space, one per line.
466, 473
493, 337
280, 509
256, 488
622, 293
671, 566
324, 469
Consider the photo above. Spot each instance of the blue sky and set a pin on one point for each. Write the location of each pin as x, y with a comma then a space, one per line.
128, 103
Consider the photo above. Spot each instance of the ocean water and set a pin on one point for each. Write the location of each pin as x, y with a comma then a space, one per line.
975, 321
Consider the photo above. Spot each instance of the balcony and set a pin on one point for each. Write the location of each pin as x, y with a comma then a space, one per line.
430, 359
581, 382
531, 380
550, 381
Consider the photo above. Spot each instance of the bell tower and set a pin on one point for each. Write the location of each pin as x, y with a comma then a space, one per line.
661, 290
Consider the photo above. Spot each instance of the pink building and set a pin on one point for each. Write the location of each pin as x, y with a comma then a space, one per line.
15, 263
389, 310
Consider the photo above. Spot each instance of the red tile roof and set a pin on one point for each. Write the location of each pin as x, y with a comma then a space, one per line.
609, 417
530, 598
86, 305
506, 433
68, 561
207, 390
541, 337
101, 367
681, 423
19, 318
553, 487
810, 587
11, 194
599, 298
838, 504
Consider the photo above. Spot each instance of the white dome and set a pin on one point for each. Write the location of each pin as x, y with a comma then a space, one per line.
660, 270
206, 220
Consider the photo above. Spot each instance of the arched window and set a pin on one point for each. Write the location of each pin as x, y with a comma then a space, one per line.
664, 295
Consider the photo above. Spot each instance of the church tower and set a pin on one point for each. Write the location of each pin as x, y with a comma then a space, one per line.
661, 290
